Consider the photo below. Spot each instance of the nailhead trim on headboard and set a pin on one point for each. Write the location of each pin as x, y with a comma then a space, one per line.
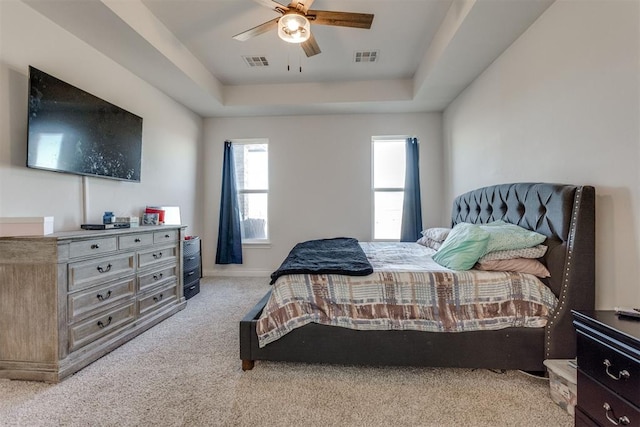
563, 293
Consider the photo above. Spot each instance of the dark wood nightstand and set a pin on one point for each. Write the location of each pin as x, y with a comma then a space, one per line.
608, 352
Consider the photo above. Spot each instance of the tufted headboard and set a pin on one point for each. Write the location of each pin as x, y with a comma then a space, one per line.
566, 215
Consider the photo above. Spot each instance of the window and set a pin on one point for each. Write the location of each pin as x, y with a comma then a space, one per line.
252, 183
388, 186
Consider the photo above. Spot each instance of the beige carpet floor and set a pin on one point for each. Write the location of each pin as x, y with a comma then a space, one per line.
186, 372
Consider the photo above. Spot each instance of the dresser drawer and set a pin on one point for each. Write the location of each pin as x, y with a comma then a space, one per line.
609, 366
86, 273
157, 256
165, 236
134, 241
82, 333
604, 406
158, 298
98, 298
90, 247
155, 278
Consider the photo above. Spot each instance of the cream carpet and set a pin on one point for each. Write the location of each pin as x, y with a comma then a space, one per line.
186, 372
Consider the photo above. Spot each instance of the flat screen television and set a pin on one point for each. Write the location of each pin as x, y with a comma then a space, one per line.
73, 131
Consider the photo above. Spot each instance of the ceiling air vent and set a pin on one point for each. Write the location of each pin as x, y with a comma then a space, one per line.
256, 61
366, 56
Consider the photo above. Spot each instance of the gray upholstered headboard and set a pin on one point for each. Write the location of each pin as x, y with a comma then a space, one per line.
563, 213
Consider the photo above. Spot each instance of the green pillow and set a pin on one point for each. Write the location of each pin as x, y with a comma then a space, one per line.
504, 236
462, 248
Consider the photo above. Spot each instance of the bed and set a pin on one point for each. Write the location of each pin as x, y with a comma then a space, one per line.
565, 214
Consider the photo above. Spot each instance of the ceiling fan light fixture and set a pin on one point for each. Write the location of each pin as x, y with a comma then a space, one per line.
294, 28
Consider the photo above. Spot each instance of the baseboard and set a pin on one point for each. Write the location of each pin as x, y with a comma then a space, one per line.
237, 273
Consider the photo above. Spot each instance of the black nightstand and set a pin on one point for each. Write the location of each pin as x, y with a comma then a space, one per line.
192, 267
608, 352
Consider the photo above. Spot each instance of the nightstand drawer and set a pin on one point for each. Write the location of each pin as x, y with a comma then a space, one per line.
609, 366
191, 276
191, 247
191, 262
191, 289
582, 420
604, 406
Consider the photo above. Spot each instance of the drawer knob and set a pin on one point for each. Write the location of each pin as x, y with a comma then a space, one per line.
95, 246
104, 325
166, 236
158, 298
103, 297
158, 255
622, 375
104, 270
622, 421
137, 240
158, 276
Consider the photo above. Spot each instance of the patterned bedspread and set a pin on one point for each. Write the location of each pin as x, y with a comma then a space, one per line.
407, 291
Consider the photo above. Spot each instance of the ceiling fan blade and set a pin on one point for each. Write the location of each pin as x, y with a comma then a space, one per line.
256, 31
310, 46
304, 4
340, 19
273, 5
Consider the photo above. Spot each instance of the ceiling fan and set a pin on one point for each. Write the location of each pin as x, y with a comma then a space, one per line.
294, 24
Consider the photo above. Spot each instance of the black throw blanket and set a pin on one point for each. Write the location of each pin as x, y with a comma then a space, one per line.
342, 255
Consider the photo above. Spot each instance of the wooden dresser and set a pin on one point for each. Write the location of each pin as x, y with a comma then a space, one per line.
69, 298
608, 352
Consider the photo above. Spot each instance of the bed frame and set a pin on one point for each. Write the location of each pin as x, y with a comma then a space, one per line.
564, 213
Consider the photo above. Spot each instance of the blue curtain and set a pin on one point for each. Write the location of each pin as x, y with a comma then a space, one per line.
411, 209
229, 249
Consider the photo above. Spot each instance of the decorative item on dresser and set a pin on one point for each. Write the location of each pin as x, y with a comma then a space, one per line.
608, 351
69, 298
192, 266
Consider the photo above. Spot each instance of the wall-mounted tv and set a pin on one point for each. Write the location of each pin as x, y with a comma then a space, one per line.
73, 131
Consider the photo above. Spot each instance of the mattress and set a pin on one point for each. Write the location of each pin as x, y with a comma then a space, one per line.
406, 291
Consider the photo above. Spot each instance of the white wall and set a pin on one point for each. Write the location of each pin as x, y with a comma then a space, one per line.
562, 105
172, 134
319, 178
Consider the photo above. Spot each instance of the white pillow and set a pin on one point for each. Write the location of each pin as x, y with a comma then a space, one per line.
429, 242
437, 234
